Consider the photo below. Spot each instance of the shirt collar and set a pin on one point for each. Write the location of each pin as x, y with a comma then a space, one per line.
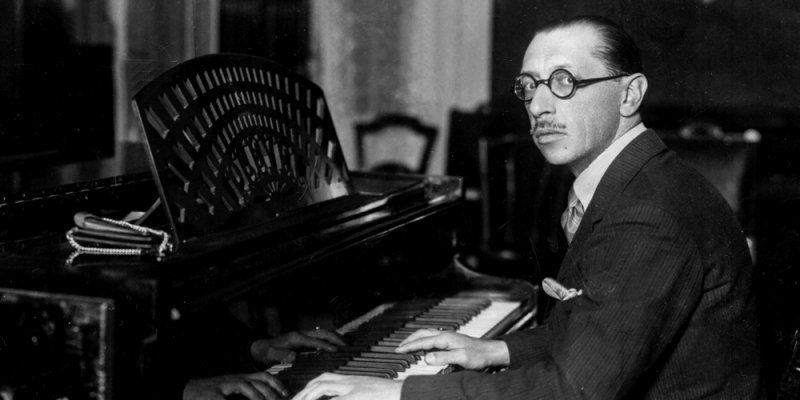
586, 183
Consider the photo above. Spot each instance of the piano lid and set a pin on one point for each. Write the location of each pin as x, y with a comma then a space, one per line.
236, 141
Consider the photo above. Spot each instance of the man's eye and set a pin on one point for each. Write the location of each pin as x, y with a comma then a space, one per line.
564, 79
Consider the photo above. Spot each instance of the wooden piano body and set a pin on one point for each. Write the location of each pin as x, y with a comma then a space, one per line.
119, 327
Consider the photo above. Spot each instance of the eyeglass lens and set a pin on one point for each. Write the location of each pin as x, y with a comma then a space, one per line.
561, 83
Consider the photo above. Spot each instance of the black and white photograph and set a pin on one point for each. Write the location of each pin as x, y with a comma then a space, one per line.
399, 199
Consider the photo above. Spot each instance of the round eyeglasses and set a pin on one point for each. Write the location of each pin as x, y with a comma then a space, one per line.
561, 83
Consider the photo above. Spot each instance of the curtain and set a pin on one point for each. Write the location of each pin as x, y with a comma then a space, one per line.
416, 57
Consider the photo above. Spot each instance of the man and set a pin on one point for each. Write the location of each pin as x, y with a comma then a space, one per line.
655, 293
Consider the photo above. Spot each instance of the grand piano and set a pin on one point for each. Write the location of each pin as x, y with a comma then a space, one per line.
268, 231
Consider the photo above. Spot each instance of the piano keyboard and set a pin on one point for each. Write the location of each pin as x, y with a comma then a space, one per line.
373, 337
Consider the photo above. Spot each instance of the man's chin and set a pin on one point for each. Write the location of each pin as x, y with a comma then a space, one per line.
553, 156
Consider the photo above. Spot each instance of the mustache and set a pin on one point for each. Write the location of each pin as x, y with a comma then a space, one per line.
549, 125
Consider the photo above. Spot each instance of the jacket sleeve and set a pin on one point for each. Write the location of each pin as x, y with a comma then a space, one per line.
641, 276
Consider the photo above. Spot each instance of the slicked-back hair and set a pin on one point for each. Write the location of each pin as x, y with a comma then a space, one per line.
617, 49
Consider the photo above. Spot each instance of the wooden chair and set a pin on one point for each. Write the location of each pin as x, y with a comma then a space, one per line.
395, 143
521, 198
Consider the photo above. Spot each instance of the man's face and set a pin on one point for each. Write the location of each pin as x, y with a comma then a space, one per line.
576, 130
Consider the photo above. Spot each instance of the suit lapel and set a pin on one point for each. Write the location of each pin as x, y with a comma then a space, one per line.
618, 175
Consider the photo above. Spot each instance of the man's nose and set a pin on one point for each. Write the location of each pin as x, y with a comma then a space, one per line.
542, 101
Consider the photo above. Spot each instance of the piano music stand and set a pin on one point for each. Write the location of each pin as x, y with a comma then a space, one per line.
237, 141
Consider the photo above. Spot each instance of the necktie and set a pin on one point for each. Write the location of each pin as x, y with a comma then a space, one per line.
571, 218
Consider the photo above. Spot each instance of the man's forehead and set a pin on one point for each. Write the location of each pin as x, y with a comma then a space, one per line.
573, 46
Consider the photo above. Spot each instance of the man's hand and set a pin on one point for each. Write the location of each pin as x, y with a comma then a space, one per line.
459, 349
282, 348
345, 387
258, 386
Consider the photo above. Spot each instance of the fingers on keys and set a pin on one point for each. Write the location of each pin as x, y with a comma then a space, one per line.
350, 388
409, 344
271, 381
326, 335
309, 339
428, 339
253, 387
326, 384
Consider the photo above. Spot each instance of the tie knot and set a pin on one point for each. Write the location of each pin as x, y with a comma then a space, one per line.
573, 201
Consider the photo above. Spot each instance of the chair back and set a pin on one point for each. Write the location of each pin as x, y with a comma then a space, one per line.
521, 197
728, 161
395, 143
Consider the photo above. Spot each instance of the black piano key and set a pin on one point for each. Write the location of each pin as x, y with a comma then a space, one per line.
395, 361
410, 358
365, 371
376, 365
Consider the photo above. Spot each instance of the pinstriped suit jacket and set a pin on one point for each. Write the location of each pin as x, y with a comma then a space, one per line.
667, 310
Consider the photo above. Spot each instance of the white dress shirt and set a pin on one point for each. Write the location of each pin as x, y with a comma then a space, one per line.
586, 183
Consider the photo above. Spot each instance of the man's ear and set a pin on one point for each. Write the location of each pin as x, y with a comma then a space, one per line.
634, 94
